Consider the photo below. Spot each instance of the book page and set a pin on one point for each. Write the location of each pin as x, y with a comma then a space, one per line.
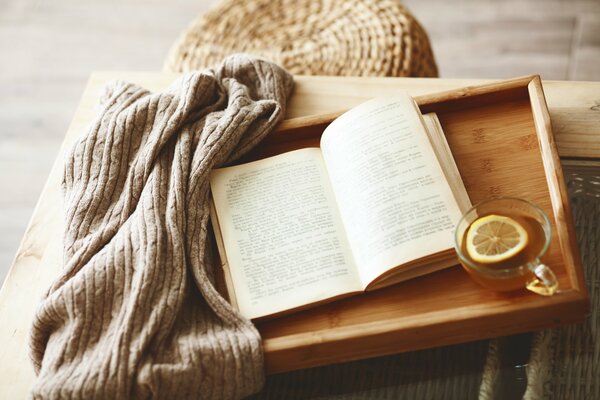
282, 233
446, 159
394, 199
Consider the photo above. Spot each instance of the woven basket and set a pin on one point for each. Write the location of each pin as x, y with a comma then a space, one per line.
310, 37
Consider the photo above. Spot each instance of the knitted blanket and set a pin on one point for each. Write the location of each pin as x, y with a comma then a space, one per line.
134, 313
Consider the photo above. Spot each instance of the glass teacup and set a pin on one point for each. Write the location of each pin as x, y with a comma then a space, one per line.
506, 271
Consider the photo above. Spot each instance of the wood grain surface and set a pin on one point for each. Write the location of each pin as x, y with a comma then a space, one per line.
500, 135
574, 119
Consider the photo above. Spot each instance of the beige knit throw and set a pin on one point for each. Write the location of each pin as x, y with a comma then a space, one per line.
134, 313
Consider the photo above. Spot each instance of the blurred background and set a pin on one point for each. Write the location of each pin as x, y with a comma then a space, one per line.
49, 48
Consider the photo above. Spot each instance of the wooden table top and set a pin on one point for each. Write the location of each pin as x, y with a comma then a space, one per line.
574, 110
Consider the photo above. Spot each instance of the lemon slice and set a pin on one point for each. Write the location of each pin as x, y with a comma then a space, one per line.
495, 238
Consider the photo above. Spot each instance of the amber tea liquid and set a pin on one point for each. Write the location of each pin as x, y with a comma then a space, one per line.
509, 274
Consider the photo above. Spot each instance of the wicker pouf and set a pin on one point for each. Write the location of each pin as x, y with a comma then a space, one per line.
310, 37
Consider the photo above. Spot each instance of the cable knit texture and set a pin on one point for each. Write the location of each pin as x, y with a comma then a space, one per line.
134, 313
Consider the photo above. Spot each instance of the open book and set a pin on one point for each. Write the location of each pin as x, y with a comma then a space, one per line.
376, 204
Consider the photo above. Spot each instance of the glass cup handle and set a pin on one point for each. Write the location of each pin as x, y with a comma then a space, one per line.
544, 282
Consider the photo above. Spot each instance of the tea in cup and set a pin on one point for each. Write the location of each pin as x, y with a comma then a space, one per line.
500, 242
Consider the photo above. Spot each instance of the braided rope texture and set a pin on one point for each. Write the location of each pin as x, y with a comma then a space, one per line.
310, 37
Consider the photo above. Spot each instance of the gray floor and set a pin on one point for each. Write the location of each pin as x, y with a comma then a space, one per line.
49, 47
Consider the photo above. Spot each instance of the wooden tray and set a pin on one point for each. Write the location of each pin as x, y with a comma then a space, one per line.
501, 137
